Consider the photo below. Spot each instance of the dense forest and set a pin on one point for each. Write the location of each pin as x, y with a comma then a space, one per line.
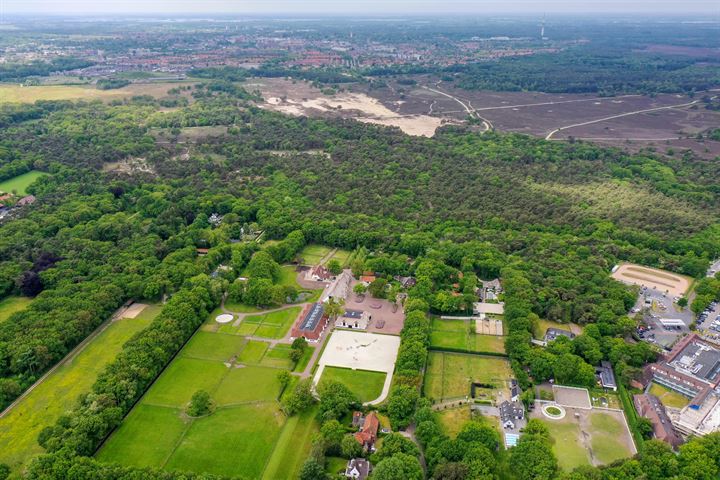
549, 218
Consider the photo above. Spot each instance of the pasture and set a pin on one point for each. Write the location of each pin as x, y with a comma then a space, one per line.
42, 407
241, 377
10, 305
366, 385
461, 334
18, 185
449, 375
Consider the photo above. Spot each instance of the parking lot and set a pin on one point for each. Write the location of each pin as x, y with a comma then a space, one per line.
708, 321
659, 306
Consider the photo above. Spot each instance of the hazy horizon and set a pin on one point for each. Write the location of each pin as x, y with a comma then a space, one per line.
367, 7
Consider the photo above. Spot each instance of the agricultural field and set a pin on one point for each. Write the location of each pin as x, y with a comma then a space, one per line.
42, 407
461, 334
595, 438
365, 384
449, 375
10, 305
668, 397
241, 377
341, 256
19, 184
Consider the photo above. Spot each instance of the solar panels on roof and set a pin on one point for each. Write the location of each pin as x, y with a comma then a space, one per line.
312, 318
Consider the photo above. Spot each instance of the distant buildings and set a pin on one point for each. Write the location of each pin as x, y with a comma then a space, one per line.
692, 369
319, 273
649, 406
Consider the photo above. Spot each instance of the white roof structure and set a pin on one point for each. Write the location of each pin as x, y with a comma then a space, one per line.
671, 322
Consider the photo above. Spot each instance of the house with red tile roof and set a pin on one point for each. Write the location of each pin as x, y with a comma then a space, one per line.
368, 433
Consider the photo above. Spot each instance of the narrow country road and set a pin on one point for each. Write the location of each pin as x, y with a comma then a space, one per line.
620, 115
467, 106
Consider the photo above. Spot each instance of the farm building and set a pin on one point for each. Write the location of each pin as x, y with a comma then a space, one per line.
311, 323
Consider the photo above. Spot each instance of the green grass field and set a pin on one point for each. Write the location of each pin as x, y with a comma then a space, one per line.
567, 448
244, 431
363, 383
668, 397
461, 334
19, 184
269, 325
452, 420
606, 434
59, 391
10, 305
293, 446
606, 431
449, 375
312, 254
341, 256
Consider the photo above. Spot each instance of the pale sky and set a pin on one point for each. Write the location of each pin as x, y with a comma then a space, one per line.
366, 7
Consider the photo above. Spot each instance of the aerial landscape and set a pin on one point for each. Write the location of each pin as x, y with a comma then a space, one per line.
385, 240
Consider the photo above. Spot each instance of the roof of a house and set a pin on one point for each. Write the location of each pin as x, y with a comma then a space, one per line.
510, 411
607, 377
358, 468
312, 318
650, 407
368, 433
552, 333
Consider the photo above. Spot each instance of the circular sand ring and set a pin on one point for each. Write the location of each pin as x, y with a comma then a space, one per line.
554, 416
376, 305
224, 318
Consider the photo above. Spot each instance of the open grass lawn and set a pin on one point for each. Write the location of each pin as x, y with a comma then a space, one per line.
241, 307
293, 446
607, 440
341, 256
59, 391
253, 352
452, 420
248, 384
182, 378
566, 445
668, 397
270, 325
363, 383
146, 436
449, 375
288, 277
305, 359
607, 429
312, 254
232, 441
213, 346
19, 184
461, 334
335, 466
10, 305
